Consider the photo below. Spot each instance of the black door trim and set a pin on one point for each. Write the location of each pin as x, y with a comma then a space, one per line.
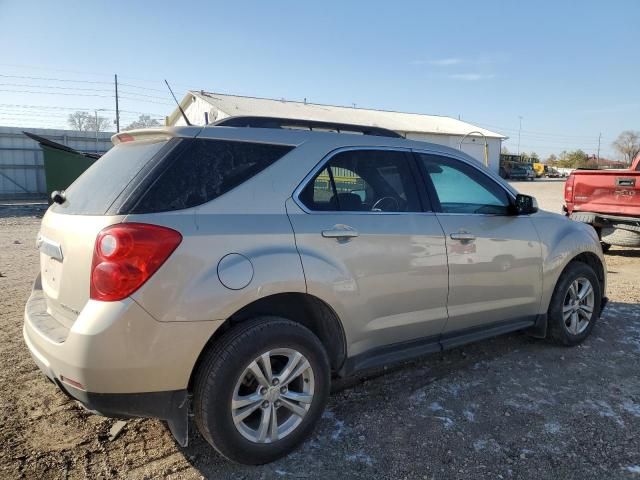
403, 351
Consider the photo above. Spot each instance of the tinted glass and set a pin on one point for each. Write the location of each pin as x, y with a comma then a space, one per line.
364, 180
206, 169
96, 189
463, 189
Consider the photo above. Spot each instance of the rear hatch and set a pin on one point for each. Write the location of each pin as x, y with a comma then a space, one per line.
68, 233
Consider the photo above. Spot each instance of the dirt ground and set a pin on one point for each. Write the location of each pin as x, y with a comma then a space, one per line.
510, 407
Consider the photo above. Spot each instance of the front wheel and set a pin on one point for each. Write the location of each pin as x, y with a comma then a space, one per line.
575, 305
261, 389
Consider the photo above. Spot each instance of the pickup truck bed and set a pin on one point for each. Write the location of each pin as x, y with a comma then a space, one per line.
609, 200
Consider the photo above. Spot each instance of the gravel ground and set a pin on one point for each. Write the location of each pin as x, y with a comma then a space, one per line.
510, 407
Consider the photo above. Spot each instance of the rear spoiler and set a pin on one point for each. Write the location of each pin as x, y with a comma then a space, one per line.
58, 146
143, 134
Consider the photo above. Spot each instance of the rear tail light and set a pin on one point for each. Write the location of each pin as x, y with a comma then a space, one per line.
127, 255
568, 189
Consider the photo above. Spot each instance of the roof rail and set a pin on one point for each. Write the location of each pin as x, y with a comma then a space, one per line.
277, 122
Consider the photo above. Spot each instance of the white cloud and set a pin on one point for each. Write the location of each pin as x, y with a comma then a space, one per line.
482, 59
442, 62
471, 77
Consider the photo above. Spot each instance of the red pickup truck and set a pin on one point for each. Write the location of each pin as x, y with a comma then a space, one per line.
609, 200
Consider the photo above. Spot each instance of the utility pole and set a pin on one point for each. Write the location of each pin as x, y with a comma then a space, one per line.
519, 130
96, 125
598, 155
117, 109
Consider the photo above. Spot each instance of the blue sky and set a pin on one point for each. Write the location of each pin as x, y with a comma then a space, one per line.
570, 69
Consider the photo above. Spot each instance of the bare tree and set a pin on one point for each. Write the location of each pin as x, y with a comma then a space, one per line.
628, 145
143, 121
102, 125
79, 121
86, 122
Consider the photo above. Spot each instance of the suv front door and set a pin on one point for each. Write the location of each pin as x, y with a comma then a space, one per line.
371, 248
495, 257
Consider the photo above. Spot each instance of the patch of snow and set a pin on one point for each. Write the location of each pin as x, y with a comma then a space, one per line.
447, 422
361, 458
603, 409
631, 407
552, 427
339, 428
486, 444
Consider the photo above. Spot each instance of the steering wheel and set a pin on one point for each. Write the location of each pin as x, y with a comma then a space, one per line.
379, 205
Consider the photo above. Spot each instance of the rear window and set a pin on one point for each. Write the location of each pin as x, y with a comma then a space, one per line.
204, 170
97, 188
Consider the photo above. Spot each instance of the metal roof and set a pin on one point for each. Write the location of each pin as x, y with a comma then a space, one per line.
235, 105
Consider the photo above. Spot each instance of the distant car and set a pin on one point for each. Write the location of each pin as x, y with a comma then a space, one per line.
553, 173
229, 272
522, 172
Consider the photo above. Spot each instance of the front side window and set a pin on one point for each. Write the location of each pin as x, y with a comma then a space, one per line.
364, 181
461, 188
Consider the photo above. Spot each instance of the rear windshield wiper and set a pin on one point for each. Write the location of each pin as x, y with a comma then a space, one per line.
59, 196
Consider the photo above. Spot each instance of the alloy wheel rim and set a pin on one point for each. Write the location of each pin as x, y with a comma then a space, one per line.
578, 305
272, 395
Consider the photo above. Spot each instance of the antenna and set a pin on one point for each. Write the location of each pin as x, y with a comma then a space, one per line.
184, 115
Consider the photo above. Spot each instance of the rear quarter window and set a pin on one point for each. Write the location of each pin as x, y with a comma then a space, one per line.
204, 170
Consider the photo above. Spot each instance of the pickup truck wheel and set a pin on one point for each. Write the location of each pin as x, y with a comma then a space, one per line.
261, 389
575, 305
620, 237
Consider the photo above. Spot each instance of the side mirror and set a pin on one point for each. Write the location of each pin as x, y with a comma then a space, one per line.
525, 205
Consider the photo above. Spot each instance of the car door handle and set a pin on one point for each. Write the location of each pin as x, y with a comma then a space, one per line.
340, 231
463, 236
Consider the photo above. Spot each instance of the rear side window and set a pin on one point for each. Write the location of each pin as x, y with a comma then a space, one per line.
204, 170
97, 188
364, 181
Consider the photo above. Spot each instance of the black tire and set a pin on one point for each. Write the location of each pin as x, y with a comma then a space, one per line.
557, 329
620, 237
605, 247
220, 370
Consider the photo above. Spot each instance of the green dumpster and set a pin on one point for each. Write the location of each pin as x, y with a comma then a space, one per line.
62, 164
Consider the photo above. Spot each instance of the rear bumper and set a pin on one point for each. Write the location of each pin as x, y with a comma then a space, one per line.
171, 406
114, 347
603, 220
117, 360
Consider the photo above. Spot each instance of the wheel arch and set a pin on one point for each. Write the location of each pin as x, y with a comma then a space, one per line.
303, 308
588, 258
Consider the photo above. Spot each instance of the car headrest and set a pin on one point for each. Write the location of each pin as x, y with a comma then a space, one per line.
348, 201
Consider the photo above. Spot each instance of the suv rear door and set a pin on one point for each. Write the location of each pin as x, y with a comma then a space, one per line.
495, 257
371, 247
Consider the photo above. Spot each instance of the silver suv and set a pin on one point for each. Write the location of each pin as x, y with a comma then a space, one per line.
232, 270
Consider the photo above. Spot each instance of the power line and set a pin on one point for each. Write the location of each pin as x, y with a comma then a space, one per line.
58, 93
54, 87
50, 79
43, 107
530, 132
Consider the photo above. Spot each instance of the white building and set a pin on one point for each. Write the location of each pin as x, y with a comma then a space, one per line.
202, 107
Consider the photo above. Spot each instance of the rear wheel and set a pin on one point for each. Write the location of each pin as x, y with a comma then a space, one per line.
261, 389
575, 305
